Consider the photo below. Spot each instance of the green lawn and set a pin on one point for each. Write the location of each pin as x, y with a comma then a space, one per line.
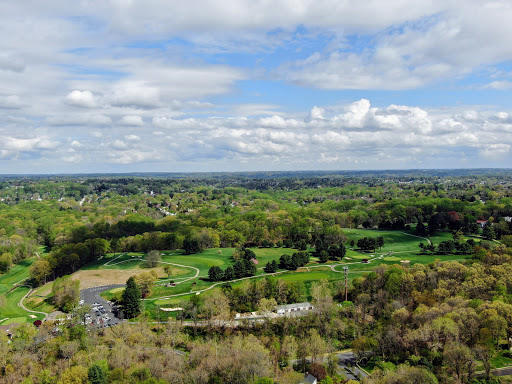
398, 246
502, 359
17, 273
395, 241
11, 309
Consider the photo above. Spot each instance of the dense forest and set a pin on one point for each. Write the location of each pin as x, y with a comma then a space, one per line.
439, 322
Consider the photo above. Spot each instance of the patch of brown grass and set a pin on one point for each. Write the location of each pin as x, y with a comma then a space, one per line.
96, 278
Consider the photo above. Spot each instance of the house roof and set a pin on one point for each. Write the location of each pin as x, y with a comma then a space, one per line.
310, 379
293, 306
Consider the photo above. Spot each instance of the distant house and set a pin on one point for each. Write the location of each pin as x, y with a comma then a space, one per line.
508, 219
290, 308
481, 223
309, 379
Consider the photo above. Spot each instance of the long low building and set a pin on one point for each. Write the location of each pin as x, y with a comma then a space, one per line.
290, 308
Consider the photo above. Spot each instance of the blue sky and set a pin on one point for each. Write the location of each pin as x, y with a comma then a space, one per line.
127, 85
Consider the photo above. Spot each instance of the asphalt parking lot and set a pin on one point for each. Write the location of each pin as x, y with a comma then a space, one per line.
102, 313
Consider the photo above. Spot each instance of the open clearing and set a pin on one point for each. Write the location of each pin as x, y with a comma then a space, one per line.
94, 278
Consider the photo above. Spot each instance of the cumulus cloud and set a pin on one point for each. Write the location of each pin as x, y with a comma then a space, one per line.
61, 77
356, 135
316, 113
421, 52
132, 120
495, 152
136, 94
13, 146
81, 99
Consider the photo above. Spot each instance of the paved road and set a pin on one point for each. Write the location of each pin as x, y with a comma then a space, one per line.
20, 304
92, 295
347, 363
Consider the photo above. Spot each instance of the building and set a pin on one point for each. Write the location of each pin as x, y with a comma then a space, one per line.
290, 308
481, 223
309, 379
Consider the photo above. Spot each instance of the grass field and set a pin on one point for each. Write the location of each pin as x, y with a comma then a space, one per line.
11, 312
188, 269
14, 313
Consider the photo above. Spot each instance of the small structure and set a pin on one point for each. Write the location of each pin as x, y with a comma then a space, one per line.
290, 308
309, 379
58, 316
481, 223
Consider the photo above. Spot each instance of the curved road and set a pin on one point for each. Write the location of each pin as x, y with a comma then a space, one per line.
20, 304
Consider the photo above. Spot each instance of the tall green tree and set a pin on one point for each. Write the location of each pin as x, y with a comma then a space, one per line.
131, 299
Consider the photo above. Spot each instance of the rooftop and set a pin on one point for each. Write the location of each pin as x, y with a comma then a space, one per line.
292, 306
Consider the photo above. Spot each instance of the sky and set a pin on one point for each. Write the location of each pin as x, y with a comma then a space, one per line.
234, 85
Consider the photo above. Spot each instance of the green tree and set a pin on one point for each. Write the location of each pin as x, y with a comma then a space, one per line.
5, 262
323, 257
153, 258
65, 293
191, 246
215, 273
168, 270
459, 361
229, 273
97, 373
131, 299
40, 270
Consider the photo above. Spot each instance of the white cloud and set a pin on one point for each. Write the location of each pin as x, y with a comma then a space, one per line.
10, 102
136, 94
12, 146
135, 121
132, 156
161, 17
203, 111
316, 113
12, 64
421, 52
79, 119
81, 99
495, 152
356, 135
132, 138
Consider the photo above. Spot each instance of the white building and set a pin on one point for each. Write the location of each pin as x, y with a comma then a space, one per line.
290, 308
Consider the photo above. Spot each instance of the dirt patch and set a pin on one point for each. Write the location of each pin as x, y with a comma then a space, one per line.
96, 278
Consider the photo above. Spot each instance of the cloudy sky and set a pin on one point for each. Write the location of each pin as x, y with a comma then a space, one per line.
235, 85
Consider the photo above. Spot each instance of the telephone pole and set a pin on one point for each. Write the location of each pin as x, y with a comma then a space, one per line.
346, 282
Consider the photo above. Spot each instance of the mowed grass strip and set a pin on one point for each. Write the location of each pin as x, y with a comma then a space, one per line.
394, 241
17, 273
40, 304
307, 276
12, 310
